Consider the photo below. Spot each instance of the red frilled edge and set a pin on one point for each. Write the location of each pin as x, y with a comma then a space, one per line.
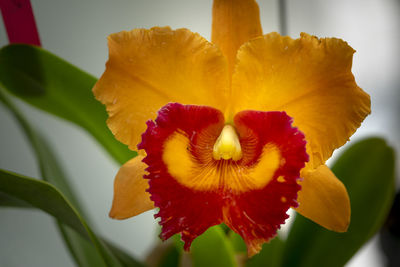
255, 214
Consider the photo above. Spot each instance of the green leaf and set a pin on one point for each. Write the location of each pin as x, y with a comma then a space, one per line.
46, 197
212, 248
166, 254
170, 258
9, 201
84, 253
47, 160
269, 256
53, 85
82, 250
41, 195
237, 242
123, 257
367, 170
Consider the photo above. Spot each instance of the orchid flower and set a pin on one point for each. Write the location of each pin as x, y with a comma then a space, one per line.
233, 131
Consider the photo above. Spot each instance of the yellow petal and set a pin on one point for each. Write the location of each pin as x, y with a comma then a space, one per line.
310, 79
234, 23
149, 68
130, 196
324, 199
212, 175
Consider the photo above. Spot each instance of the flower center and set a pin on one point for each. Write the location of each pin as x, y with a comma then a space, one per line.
227, 145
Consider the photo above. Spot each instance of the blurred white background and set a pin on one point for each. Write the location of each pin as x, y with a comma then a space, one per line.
77, 30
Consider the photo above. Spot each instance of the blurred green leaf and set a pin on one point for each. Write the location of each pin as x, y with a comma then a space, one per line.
166, 254
178, 241
126, 259
47, 160
213, 248
225, 228
46, 197
269, 256
170, 258
84, 253
9, 201
237, 242
53, 85
367, 170
41, 195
